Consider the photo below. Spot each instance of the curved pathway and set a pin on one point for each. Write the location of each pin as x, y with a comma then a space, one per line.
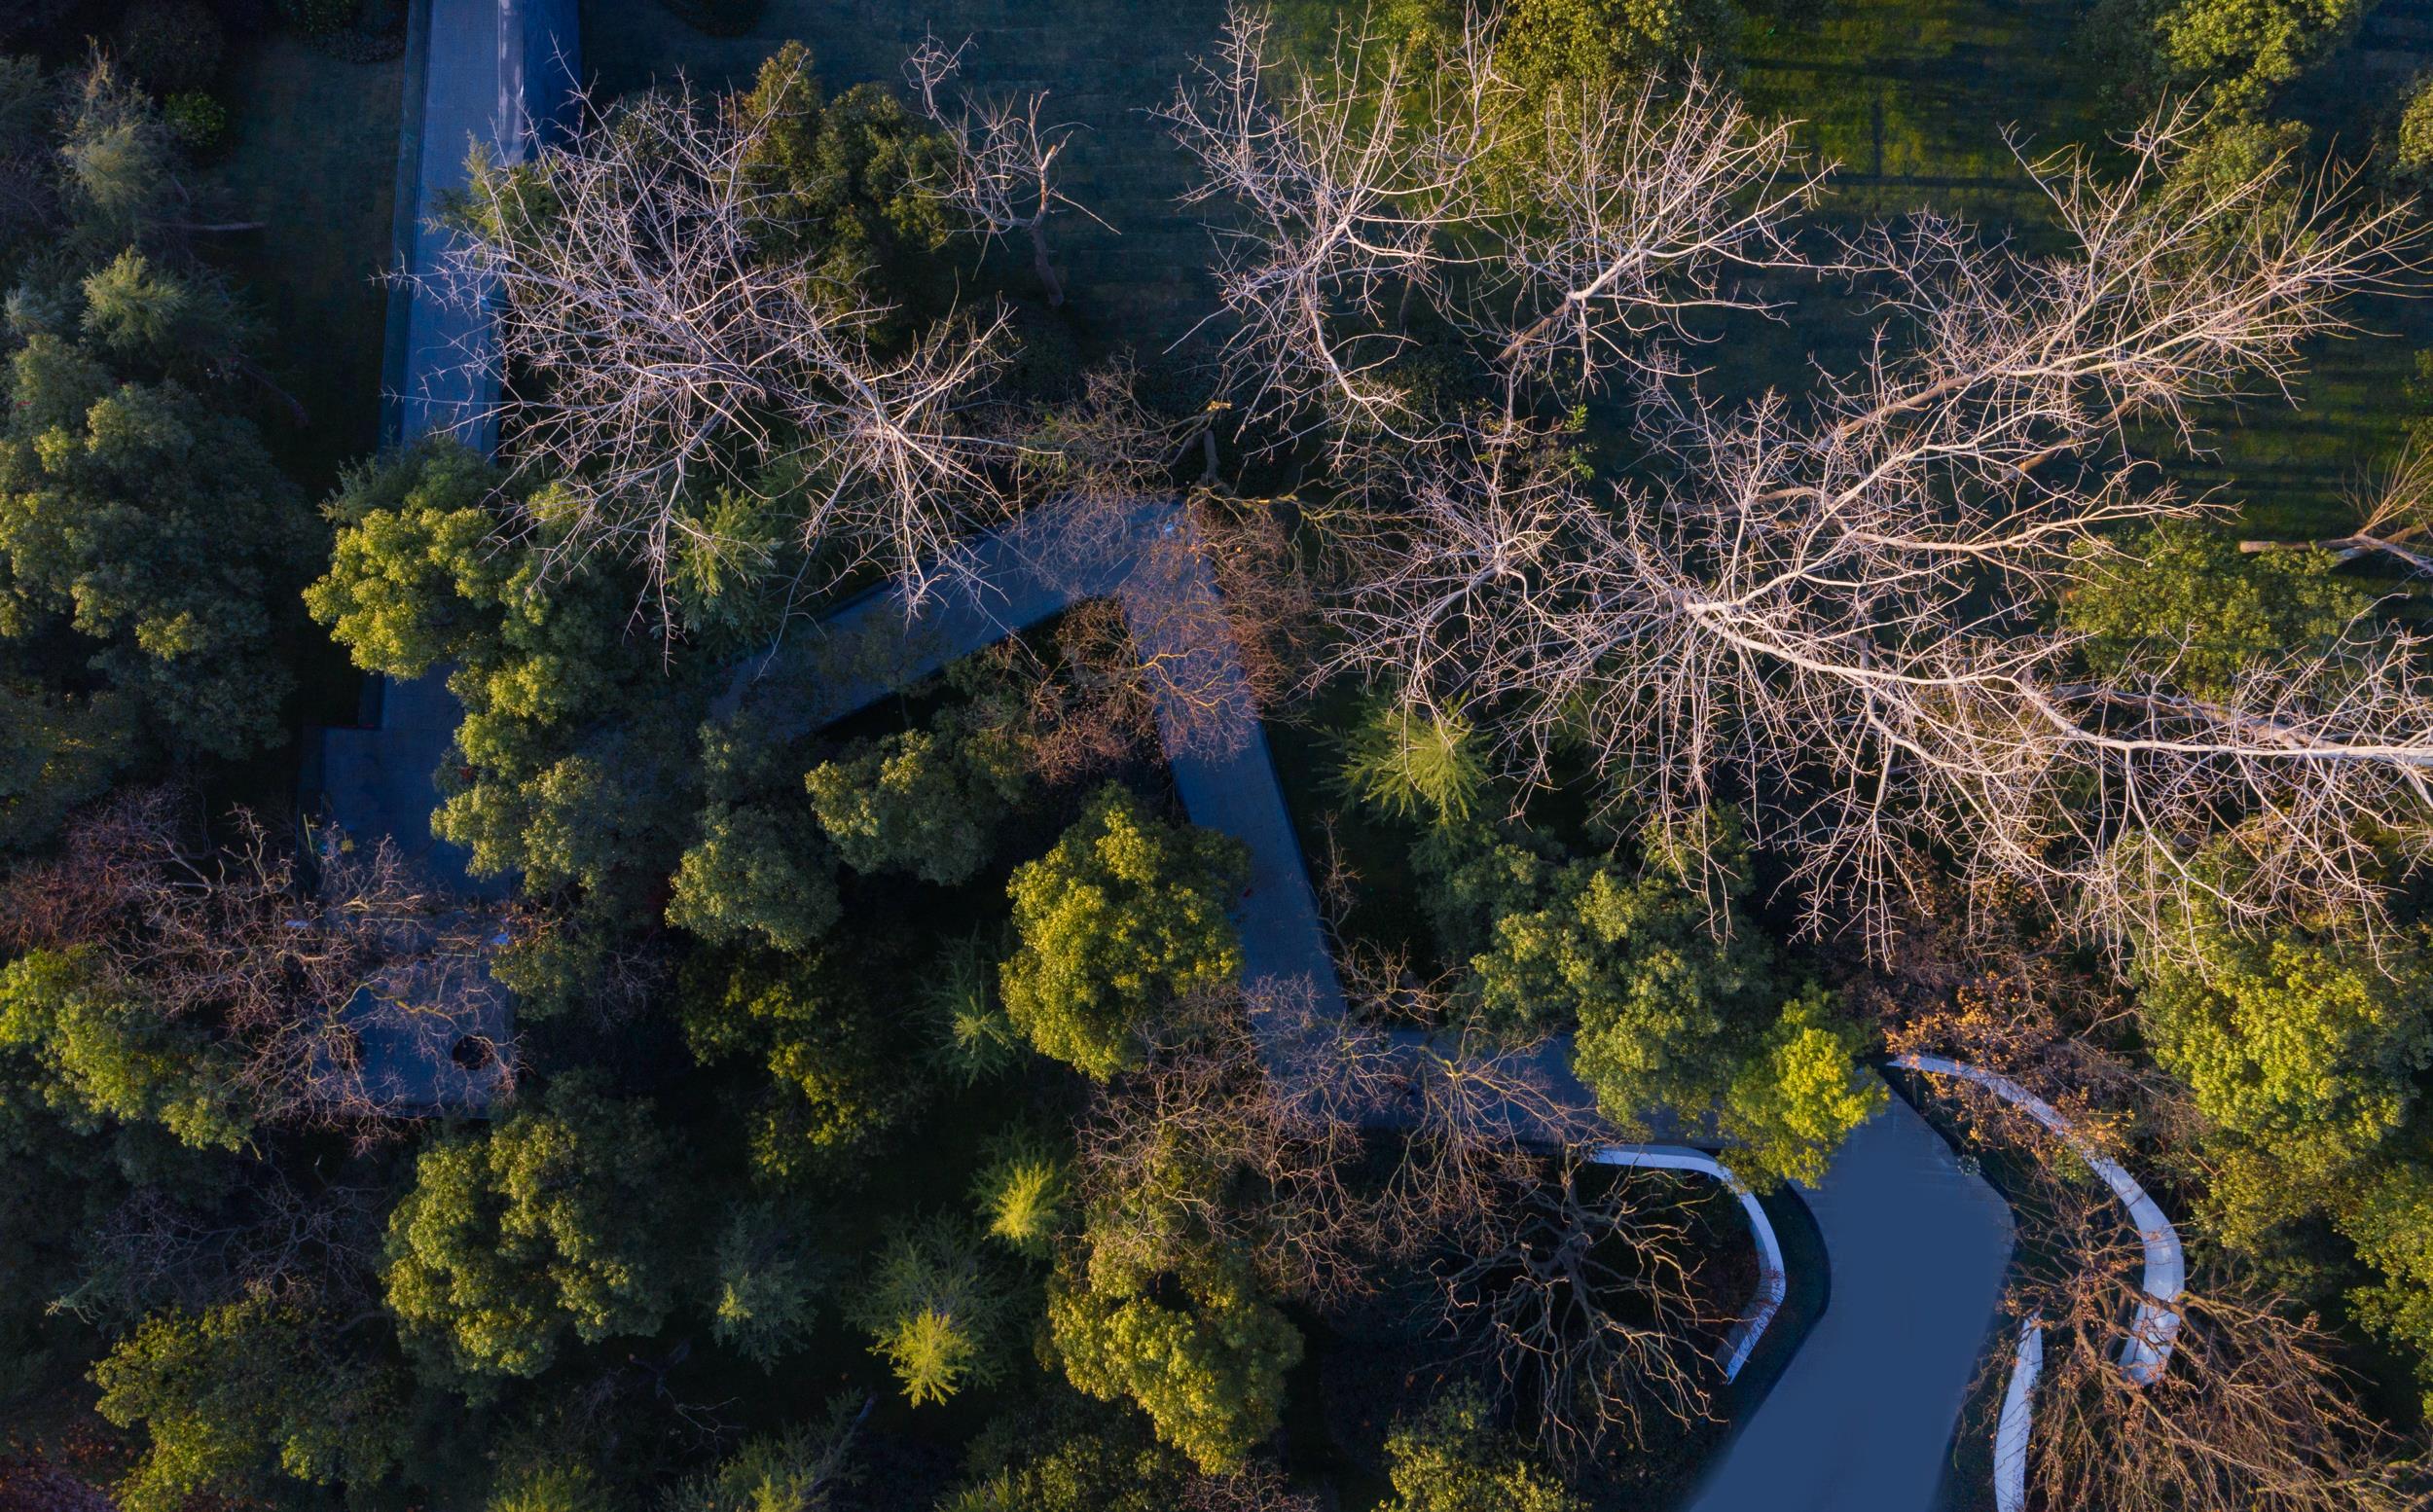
2147, 1348
1773, 1283
2147, 1351
1861, 1420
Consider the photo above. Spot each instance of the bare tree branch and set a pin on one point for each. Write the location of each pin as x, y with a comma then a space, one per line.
649, 346
1003, 177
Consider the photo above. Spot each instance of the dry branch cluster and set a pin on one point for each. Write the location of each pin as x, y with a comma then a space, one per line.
1578, 1290
1830, 605
656, 345
220, 935
2254, 1415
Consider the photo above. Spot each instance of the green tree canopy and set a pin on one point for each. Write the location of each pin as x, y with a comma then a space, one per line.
925, 801
148, 545
771, 1276
2246, 48
243, 1394
103, 1055
568, 766
554, 1487
144, 533
1198, 1349
414, 580
835, 1083
1792, 1103
2300, 1048
2390, 1221
56, 752
552, 1223
1124, 915
800, 1470
845, 182
760, 871
935, 1309
1024, 1193
1450, 1457
1064, 1452
1405, 761
1672, 1002
2186, 597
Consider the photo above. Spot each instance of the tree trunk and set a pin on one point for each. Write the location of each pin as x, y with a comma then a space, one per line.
1047, 270
2346, 548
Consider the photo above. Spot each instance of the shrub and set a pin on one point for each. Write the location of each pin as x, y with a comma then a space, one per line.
173, 47
1022, 1191
2415, 132
197, 121
934, 1310
1405, 761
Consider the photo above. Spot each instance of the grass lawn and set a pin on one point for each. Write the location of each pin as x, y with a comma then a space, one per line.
313, 153
1139, 284
1911, 98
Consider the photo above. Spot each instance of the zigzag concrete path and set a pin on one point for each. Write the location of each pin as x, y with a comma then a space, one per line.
1860, 1423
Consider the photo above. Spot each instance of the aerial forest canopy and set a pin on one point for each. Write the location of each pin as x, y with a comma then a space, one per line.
987, 867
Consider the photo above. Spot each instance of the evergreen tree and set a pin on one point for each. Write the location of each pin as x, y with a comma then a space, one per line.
1125, 914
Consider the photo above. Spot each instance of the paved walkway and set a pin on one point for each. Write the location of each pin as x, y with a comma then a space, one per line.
1861, 1420
1025, 573
473, 69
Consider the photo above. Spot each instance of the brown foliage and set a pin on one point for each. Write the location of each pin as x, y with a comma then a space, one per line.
2253, 1413
1325, 1152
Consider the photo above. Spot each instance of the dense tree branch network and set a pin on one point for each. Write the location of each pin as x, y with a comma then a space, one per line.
657, 345
1834, 605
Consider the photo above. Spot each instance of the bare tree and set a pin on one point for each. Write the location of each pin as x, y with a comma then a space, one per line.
1003, 178
1639, 200
1587, 1309
158, 1248
1341, 189
2253, 1413
1319, 1148
1559, 234
1831, 608
650, 343
1261, 1488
